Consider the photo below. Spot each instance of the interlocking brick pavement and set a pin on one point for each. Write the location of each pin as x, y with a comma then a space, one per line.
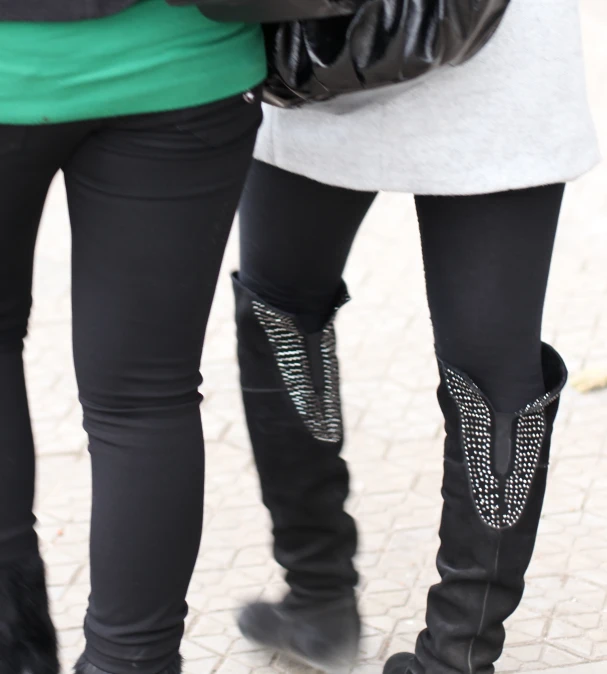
394, 447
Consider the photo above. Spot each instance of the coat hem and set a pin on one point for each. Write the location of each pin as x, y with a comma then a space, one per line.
512, 180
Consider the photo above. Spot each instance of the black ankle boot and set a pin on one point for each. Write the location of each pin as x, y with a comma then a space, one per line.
28, 644
83, 666
322, 635
493, 491
290, 388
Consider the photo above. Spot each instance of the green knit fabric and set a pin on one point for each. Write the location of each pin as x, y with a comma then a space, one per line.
148, 58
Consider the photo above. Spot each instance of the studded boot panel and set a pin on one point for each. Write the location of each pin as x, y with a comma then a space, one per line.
493, 490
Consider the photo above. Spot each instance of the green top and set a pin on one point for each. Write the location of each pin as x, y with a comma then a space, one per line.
148, 58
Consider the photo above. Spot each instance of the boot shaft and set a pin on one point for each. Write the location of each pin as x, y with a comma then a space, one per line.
28, 644
494, 483
291, 395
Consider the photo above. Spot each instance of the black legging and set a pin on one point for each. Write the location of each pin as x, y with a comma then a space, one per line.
151, 200
486, 258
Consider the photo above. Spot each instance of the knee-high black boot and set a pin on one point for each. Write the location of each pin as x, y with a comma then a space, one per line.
290, 387
493, 491
28, 644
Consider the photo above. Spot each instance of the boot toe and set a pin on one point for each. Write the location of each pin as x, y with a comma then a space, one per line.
324, 637
260, 622
324, 652
401, 663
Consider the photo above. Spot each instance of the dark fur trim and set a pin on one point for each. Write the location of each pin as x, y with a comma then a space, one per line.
28, 643
83, 666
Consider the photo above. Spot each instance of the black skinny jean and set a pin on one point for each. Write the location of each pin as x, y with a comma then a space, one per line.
486, 259
151, 201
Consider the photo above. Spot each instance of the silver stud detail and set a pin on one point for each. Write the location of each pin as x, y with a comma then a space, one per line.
475, 419
529, 438
320, 412
477, 438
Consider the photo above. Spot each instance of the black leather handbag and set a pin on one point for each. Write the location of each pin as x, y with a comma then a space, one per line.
270, 11
359, 44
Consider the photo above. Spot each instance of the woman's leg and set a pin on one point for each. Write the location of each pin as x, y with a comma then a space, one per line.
295, 238
487, 260
152, 201
29, 158
296, 235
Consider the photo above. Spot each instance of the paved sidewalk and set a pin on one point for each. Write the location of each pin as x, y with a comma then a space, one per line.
394, 447
593, 668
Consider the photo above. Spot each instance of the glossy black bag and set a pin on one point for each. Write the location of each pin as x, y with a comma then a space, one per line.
383, 42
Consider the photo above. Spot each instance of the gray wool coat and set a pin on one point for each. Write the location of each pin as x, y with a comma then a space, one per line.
515, 116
